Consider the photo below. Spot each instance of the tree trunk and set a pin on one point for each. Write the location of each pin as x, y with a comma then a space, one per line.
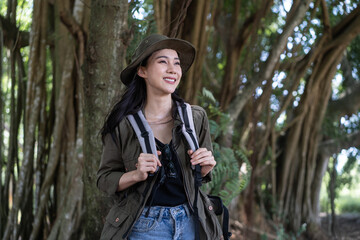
53, 176
296, 15
187, 20
196, 30
236, 40
12, 150
3, 204
162, 15
70, 187
35, 93
108, 41
299, 169
170, 15
332, 194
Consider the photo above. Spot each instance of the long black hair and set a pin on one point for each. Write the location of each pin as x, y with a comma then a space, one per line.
131, 102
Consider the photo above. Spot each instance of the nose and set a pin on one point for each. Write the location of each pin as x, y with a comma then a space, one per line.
171, 68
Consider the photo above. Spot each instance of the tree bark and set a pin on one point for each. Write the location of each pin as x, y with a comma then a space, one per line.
36, 81
3, 204
170, 15
196, 30
70, 185
299, 166
162, 15
236, 41
296, 15
347, 104
12, 150
54, 176
108, 41
332, 194
187, 20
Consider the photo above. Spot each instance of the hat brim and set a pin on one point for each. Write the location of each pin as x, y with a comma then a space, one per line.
185, 50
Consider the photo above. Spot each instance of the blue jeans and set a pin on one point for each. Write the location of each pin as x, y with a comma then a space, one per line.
164, 223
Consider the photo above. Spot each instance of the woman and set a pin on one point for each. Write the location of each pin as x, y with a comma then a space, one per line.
151, 205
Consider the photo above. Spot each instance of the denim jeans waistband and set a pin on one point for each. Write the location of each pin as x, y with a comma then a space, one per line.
167, 212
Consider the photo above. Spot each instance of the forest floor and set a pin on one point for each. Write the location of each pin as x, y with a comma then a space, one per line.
347, 226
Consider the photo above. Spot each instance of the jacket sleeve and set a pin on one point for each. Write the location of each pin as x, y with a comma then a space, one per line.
202, 129
111, 166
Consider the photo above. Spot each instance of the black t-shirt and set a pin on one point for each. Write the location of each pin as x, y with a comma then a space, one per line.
169, 187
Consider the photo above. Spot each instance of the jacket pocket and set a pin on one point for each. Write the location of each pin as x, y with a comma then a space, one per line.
210, 223
117, 221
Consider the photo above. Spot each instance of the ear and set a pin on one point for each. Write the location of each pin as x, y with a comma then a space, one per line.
141, 71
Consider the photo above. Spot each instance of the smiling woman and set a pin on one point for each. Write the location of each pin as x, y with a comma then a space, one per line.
162, 73
165, 180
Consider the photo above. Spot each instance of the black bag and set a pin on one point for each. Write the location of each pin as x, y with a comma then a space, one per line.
222, 214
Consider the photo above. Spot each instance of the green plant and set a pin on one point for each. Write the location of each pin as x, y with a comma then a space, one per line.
283, 235
348, 204
232, 172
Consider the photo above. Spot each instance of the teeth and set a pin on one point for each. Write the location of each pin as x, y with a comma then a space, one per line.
169, 79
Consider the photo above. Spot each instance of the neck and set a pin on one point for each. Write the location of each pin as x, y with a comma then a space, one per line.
158, 108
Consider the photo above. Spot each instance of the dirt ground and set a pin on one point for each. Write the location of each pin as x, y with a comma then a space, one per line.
347, 226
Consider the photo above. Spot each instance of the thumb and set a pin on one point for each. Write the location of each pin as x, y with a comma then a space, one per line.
157, 160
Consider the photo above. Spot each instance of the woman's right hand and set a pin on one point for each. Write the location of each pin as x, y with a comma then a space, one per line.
147, 163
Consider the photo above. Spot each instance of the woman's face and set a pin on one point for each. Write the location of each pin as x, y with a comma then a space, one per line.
162, 72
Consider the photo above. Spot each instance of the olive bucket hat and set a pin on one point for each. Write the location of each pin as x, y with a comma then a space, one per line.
155, 42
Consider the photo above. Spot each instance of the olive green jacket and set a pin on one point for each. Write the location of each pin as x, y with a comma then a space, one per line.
120, 154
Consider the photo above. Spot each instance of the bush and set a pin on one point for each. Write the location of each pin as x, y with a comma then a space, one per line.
348, 204
232, 172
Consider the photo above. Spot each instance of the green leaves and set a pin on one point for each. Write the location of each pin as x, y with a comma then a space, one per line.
207, 94
232, 172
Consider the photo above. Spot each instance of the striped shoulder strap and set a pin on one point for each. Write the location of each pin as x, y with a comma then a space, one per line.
143, 132
147, 141
146, 137
188, 128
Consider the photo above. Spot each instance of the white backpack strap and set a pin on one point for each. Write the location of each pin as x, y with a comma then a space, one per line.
188, 128
143, 132
188, 131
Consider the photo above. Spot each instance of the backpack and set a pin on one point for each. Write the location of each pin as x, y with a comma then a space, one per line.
147, 142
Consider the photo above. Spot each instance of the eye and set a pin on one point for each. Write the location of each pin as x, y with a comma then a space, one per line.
177, 63
162, 61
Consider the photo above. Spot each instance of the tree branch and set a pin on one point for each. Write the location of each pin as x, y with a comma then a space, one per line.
325, 15
12, 34
346, 105
240, 100
333, 146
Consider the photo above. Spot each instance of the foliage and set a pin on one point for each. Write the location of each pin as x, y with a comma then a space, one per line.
283, 235
346, 178
141, 22
348, 204
261, 112
218, 120
353, 55
346, 185
232, 171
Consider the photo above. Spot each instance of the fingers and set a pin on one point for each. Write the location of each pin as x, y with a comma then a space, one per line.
203, 157
158, 161
147, 163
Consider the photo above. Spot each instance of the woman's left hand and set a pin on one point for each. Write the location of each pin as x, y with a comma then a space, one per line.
203, 157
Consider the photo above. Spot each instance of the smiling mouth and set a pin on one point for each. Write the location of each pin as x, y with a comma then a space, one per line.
172, 80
